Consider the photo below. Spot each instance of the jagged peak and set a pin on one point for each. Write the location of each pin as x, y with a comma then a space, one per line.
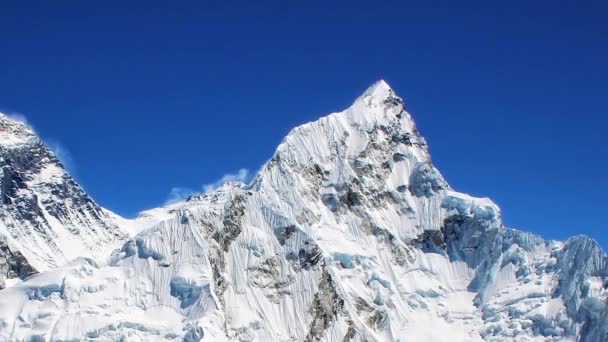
379, 88
377, 104
15, 120
585, 243
378, 95
15, 131
378, 113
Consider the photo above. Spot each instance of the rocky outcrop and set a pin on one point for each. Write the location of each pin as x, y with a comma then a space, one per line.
12, 264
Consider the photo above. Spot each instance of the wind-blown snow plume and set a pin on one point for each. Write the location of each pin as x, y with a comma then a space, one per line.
241, 176
178, 194
58, 148
62, 153
18, 117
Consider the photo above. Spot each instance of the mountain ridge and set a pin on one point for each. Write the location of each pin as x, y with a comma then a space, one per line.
347, 233
46, 216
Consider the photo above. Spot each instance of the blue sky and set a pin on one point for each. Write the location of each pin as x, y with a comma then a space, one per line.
143, 97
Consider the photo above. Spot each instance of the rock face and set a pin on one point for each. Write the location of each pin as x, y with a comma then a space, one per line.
13, 264
46, 218
348, 233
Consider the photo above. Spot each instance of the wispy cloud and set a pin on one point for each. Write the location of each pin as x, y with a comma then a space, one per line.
62, 153
241, 176
181, 193
59, 149
19, 117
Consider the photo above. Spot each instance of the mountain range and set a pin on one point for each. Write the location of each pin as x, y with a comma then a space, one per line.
348, 233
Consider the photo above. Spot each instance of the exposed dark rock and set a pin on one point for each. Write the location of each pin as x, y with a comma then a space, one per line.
393, 101
431, 241
399, 253
326, 306
379, 320
233, 212
397, 157
308, 255
194, 334
13, 264
469, 238
362, 306
425, 181
345, 196
216, 260
284, 233
351, 198
320, 171
267, 275
402, 138
350, 333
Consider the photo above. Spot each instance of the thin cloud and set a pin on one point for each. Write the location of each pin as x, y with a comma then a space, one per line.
62, 153
178, 194
19, 117
59, 149
241, 176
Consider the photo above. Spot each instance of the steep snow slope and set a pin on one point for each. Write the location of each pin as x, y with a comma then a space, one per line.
46, 218
347, 234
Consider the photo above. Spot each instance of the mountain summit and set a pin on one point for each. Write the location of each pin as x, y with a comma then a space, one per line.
46, 218
348, 233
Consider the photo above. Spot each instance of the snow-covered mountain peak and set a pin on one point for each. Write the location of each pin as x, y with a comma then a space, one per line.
14, 132
348, 233
379, 90
375, 116
46, 218
379, 104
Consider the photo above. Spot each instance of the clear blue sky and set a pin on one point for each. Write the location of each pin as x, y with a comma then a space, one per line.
146, 96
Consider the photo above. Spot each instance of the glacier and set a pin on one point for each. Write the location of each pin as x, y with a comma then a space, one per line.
348, 233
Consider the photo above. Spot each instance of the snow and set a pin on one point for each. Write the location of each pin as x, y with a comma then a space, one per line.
14, 133
347, 233
46, 216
